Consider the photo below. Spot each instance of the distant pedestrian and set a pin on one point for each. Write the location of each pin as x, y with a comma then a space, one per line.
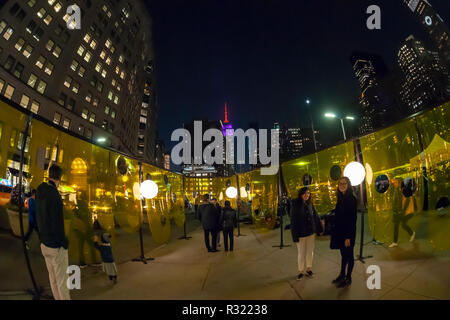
228, 221
305, 224
403, 208
104, 246
32, 223
54, 243
219, 214
344, 232
210, 222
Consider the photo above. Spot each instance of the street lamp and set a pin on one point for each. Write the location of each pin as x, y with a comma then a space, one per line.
308, 103
332, 115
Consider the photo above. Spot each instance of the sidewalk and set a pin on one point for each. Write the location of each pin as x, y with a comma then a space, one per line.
256, 270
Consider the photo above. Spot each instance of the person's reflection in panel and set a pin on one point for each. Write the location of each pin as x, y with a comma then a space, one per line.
83, 227
403, 206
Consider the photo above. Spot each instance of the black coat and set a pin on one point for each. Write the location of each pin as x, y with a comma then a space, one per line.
207, 214
304, 221
228, 218
344, 222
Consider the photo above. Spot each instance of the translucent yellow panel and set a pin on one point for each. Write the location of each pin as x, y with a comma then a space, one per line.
434, 127
315, 171
261, 199
388, 157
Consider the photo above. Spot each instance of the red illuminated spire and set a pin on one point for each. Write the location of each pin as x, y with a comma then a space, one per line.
226, 113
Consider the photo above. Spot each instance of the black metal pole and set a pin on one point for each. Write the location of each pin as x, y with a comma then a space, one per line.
36, 292
358, 158
142, 258
238, 207
281, 195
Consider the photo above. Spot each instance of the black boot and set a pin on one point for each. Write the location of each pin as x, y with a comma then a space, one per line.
338, 279
346, 282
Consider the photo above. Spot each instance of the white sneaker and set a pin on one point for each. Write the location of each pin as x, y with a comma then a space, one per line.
412, 237
393, 245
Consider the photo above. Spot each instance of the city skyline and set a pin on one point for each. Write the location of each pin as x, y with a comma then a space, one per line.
254, 87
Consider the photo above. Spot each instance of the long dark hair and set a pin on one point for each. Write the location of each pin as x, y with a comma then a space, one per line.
299, 200
348, 193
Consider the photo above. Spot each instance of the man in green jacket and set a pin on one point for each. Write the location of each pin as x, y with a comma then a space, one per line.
54, 244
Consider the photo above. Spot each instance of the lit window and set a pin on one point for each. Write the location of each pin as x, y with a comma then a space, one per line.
93, 44
81, 50
113, 114
57, 51
32, 80
41, 12
121, 58
57, 6
117, 70
95, 102
110, 95
31, 3
8, 33
89, 97
57, 118
3, 25
49, 45
104, 73
41, 87
40, 62
81, 71
28, 50
108, 43
49, 68
34, 106
103, 54
116, 99
108, 61
68, 81
85, 113
107, 110
9, 91
122, 75
87, 38
48, 19
66, 123
76, 87
19, 44
98, 67
74, 65
24, 101
113, 49
113, 82
51, 2
88, 56
92, 118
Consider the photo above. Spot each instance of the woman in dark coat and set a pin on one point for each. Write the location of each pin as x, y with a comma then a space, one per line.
344, 233
305, 224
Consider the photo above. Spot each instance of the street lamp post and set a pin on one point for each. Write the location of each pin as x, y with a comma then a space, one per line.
308, 103
332, 115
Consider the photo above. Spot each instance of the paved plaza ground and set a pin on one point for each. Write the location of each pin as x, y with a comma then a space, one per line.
183, 269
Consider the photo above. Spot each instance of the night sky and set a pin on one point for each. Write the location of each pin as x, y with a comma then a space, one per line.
265, 57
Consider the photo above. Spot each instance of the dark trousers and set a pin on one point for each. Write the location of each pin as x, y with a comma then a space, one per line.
348, 261
214, 239
402, 219
31, 227
228, 234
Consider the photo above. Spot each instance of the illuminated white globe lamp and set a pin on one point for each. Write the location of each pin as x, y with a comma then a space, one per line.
231, 192
355, 172
149, 189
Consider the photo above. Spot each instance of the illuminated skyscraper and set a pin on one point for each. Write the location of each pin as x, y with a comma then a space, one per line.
426, 81
434, 24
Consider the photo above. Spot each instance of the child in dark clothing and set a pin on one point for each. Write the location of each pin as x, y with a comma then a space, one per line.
109, 267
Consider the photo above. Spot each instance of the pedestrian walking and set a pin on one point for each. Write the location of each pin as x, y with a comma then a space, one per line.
103, 244
54, 243
210, 222
228, 222
344, 232
305, 224
404, 208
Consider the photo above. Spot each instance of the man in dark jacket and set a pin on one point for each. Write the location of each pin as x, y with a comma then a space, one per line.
228, 221
54, 244
210, 222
